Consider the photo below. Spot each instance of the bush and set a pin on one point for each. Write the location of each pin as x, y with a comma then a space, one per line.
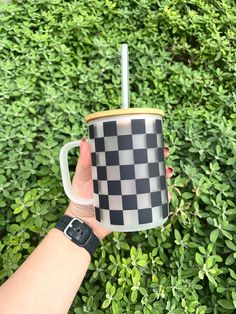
60, 60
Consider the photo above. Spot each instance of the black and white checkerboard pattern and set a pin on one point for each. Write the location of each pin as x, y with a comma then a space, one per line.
128, 170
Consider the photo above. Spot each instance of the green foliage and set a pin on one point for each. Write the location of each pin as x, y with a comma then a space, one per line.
60, 60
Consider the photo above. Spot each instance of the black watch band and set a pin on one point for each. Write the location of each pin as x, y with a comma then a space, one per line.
78, 232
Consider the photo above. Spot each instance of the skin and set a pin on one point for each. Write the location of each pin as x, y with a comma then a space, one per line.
50, 277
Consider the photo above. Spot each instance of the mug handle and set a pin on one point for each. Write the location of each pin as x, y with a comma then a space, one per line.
66, 175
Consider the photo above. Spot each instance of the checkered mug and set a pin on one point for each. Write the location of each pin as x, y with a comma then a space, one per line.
128, 169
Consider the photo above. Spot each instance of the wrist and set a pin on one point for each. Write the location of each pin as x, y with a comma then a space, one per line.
78, 232
69, 245
72, 213
88, 220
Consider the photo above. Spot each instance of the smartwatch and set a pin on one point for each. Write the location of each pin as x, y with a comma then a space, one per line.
78, 232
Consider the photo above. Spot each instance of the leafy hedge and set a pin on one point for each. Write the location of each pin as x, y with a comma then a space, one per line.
59, 61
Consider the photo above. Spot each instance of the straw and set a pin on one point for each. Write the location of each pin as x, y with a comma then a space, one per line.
125, 76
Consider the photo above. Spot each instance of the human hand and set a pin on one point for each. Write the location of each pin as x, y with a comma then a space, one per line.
83, 186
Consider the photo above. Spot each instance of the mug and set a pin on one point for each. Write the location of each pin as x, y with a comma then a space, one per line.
128, 169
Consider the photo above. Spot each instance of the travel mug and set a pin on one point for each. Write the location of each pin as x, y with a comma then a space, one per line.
128, 169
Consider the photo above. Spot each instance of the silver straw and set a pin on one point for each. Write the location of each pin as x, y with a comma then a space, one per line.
125, 76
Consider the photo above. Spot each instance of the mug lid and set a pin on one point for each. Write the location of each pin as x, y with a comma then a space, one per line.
119, 112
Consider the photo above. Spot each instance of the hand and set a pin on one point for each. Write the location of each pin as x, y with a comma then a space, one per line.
83, 186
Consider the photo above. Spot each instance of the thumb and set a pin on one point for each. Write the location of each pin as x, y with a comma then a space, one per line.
83, 167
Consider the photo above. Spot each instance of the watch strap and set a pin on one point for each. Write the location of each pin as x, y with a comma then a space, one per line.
91, 243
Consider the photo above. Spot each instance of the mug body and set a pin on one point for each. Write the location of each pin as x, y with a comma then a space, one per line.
128, 171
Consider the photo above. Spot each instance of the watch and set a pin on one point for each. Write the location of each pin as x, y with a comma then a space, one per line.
78, 232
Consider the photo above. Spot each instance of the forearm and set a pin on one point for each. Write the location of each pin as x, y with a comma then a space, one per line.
48, 280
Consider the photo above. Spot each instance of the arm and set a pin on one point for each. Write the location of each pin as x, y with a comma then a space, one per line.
49, 278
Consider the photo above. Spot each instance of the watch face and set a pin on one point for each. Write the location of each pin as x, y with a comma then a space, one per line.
79, 232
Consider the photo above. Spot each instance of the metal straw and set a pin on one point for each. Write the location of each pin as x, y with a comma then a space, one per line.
125, 76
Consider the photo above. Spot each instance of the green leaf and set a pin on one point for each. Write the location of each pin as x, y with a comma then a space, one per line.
95, 274
19, 209
142, 290
234, 295
135, 275
214, 235
227, 234
115, 308
14, 228
215, 271
211, 279
118, 295
142, 262
201, 274
106, 303
133, 252
134, 295
232, 273
231, 161
90, 302
25, 214
202, 249
230, 245
220, 289
124, 246
108, 287
112, 259
230, 260
199, 259
113, 290
205, 199
179, 181
187, 195
226, 304
210, 261
189, 272
230, 227
177, 235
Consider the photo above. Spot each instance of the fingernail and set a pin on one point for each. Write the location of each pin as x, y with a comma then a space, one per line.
82, 144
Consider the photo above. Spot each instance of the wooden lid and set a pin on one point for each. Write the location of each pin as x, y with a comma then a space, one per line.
118, 112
